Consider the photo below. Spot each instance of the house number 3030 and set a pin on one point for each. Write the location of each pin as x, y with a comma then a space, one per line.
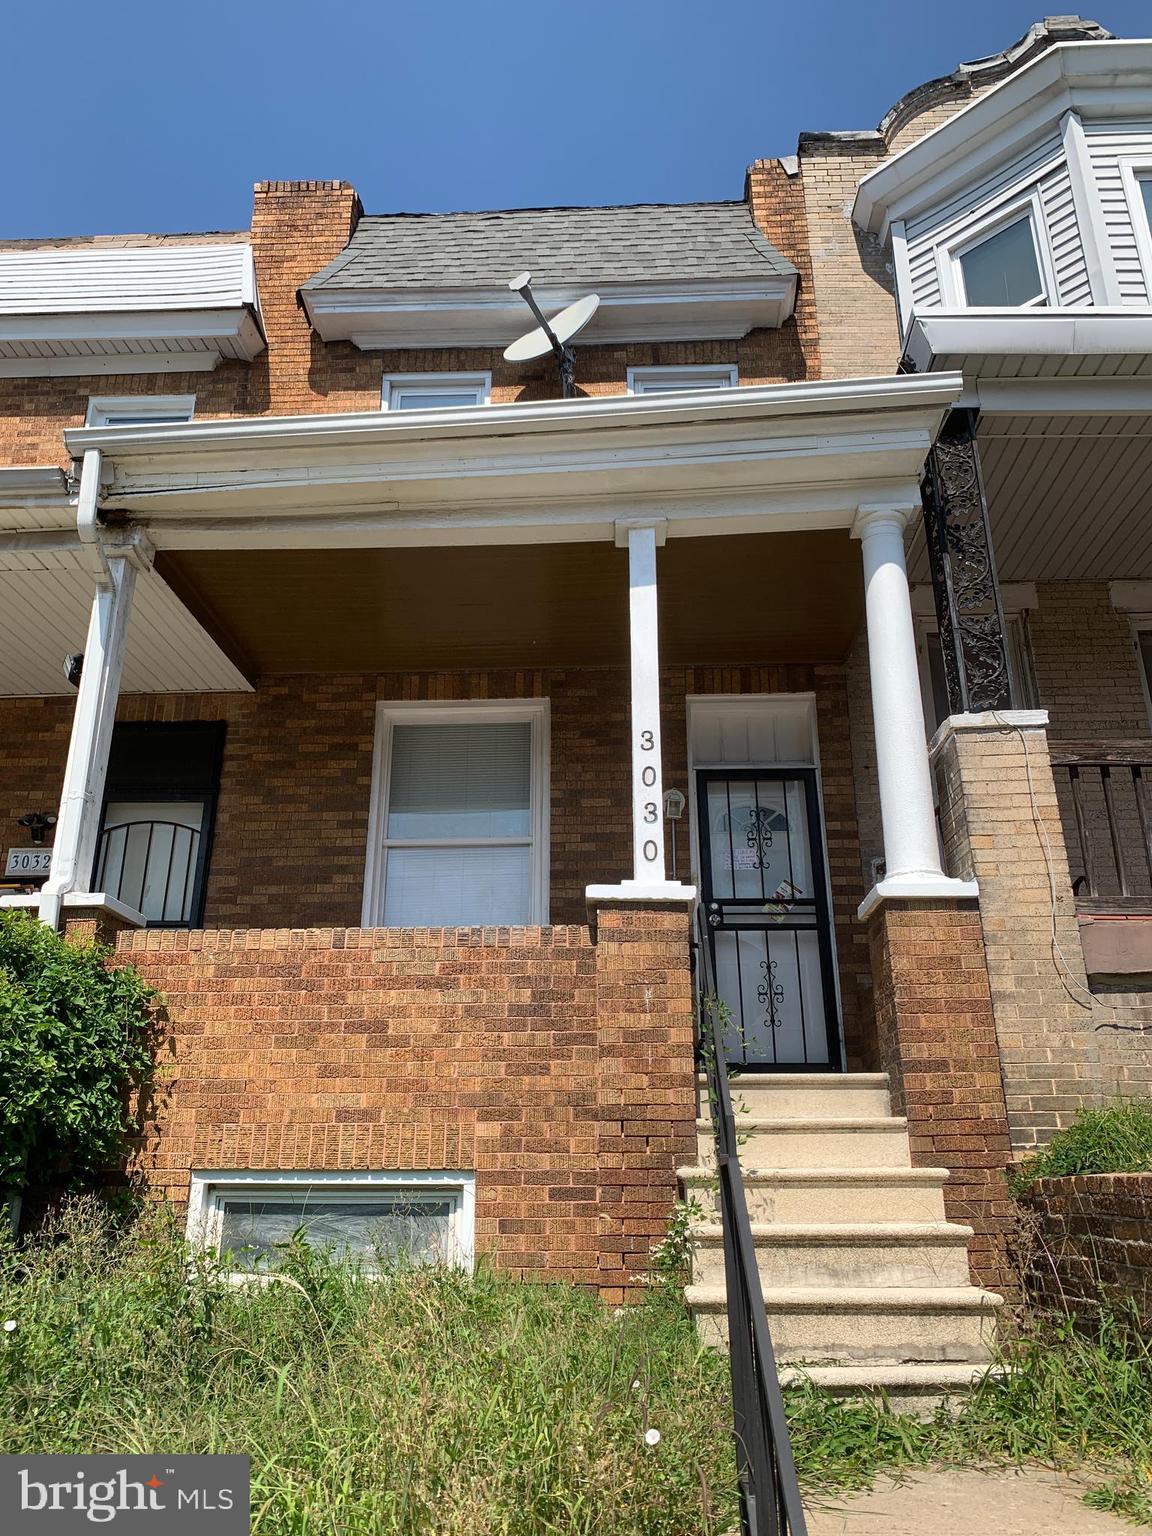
648, 780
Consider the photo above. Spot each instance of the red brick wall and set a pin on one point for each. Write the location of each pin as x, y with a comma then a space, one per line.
292, 821
1092, 1241
297, 228
937, 1039
558, 1070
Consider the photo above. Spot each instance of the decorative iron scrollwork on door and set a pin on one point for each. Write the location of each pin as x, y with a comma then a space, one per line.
759, 836
770, 994
972, 634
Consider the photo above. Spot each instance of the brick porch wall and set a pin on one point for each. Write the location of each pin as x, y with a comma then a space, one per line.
1091, 1239
292, 822
937, 1039
556, 1069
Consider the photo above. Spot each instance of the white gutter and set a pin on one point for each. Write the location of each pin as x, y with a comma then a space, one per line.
699, 408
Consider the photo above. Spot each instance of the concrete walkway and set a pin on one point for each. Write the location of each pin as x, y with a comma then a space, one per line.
966, 1502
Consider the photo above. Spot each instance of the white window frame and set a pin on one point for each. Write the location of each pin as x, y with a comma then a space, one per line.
435, 384
694, 375
390, 713
1141, 623
1133, 170
949, 253
207, 1191
101, 407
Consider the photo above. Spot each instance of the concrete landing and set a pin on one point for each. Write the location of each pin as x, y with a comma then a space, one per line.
965, 1501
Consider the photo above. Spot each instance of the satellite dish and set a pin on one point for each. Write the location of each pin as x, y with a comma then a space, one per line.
551, 335
568, 323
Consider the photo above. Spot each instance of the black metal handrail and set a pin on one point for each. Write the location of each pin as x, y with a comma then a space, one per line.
769, 1491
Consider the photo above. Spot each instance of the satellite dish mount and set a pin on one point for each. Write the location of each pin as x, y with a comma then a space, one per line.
552, 335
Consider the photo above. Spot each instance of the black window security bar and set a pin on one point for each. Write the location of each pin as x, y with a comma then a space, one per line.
153, 867
769, 1491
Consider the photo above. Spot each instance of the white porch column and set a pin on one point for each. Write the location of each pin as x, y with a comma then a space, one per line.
82, 796
649, 882
911, 844
647, 776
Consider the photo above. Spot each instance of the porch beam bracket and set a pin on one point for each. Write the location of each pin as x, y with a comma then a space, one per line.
964, 581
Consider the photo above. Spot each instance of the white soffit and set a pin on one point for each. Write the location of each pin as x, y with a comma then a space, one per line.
45, 601
1033, 343
421, 318
92, 309
1099, 78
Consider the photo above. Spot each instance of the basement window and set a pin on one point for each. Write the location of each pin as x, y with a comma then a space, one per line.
374, 1219
434, 391
138, 410
668, 381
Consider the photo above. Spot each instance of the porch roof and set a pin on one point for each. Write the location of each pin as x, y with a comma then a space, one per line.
741, 460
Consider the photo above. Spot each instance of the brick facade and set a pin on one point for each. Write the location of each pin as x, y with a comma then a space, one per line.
1090, 1240
557, 1069
936, 1036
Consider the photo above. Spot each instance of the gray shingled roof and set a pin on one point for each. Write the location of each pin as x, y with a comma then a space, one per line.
569, 246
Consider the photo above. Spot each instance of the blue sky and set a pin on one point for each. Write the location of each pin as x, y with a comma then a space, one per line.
154, 116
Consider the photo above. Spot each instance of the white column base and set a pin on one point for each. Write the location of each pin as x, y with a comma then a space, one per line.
917, 888
640, 892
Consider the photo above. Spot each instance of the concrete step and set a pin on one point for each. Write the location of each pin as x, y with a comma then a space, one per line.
917, 1389
865, 1141
845, 1325
828, 1194
806, 1095
852, 1254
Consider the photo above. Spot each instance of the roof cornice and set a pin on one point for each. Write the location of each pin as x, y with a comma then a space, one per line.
1109, 78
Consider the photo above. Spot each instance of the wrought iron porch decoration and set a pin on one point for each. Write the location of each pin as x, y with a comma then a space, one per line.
972, 637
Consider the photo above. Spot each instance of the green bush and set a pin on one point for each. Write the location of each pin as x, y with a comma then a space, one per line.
73, 1038
1117, 1139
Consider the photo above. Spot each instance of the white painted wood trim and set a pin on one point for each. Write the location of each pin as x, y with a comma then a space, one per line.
648, 863
207, 1188
390, 712
82, 794
902, 269
1102, 277
100, 407
911, 845
114, 363
1132, 169
694, 376
436, 383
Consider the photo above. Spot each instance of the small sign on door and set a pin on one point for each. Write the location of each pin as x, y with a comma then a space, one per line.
28, 862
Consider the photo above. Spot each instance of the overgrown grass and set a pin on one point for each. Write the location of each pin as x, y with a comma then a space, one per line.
1067, 1396
1116, 1139
425, 1402
483, 1406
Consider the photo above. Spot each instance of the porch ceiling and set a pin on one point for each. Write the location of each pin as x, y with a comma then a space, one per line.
1069, 496
742, 599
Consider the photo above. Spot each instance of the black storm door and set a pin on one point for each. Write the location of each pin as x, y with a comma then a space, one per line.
765, 903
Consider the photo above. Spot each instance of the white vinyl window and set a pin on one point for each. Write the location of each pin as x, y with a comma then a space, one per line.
375, 1219
138, 410
1003, 266
666, 381
434, 391
1137, 180
459, 816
